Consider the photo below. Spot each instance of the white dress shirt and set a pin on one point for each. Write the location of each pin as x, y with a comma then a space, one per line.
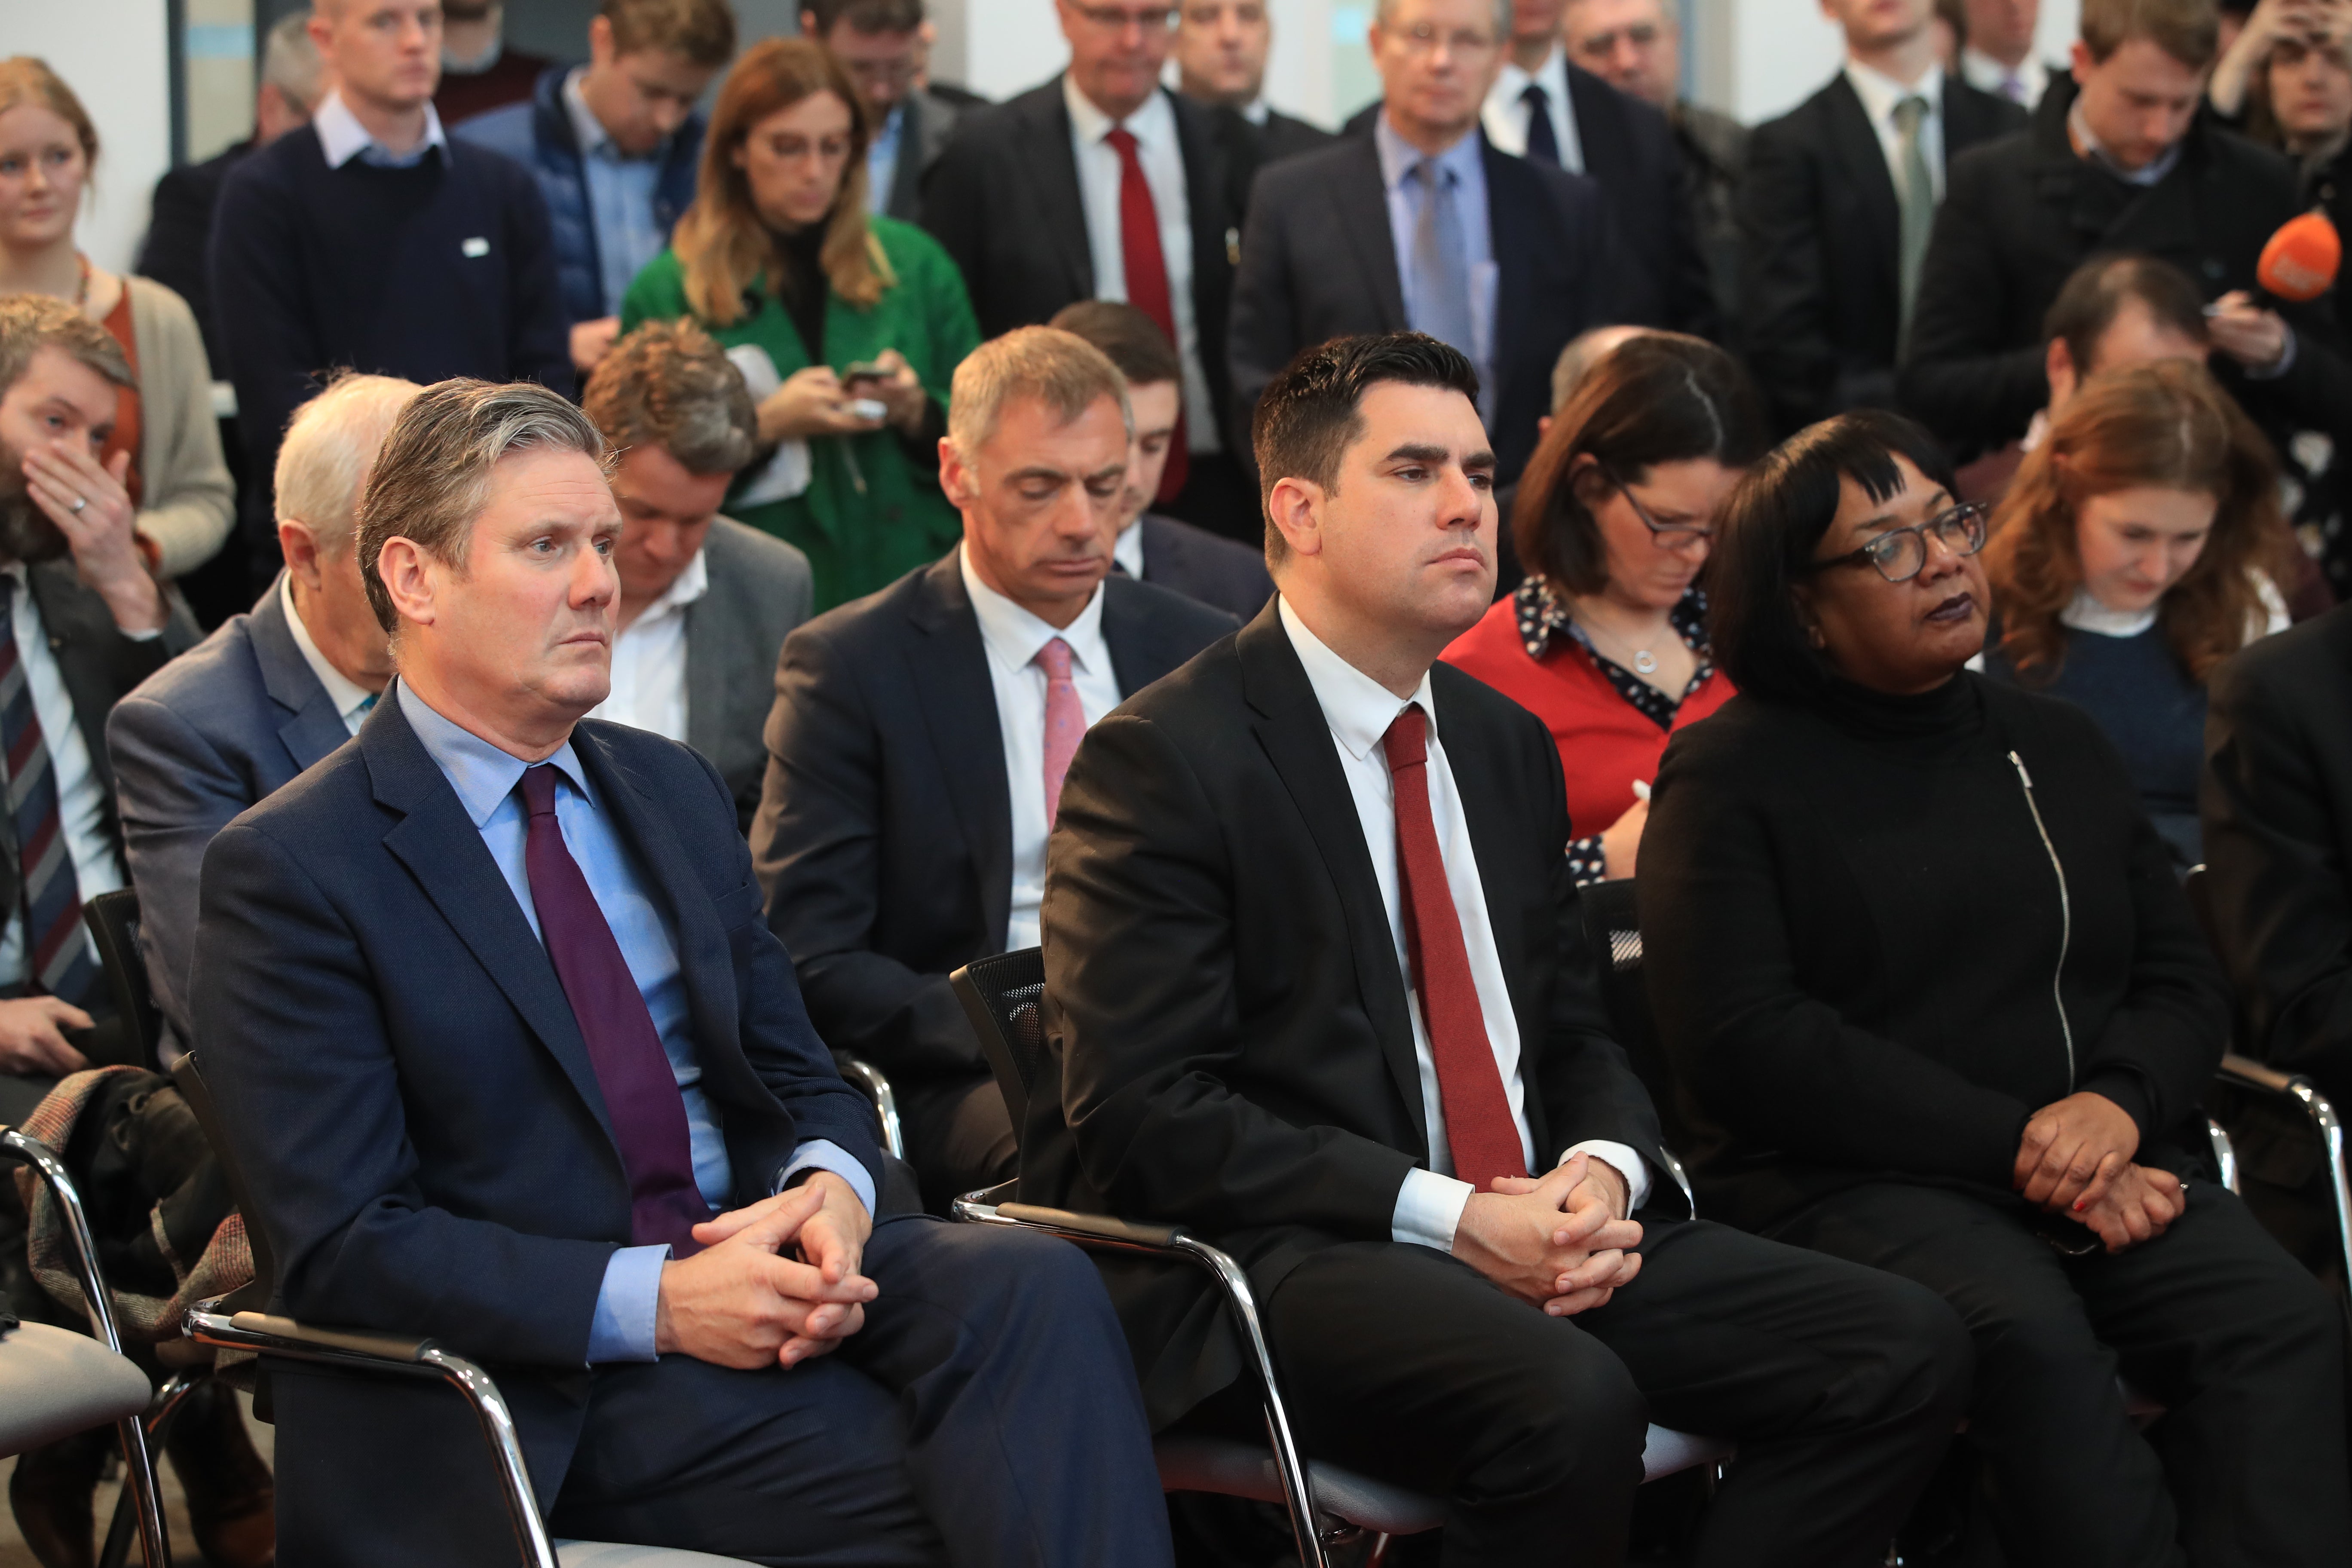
342, 138
1127, 549
1360, 710
649, 660
1981, 71
1880, 94
1153, 126
81, 797
1505, 118
1013, 637
352, 701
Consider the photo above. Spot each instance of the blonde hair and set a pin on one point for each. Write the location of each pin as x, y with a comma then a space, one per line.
722, 243
331, 445
1060, 369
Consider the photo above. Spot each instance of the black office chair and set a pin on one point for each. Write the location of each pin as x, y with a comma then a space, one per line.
112, 921
1002, 997
241, 1322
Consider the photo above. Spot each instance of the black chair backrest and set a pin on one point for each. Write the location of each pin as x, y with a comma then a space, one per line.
253, 1296
113, 923
1615, 938
1004, 998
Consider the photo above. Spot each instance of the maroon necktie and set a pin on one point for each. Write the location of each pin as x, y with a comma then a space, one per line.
641, 1093
1479, 1122
1147, 281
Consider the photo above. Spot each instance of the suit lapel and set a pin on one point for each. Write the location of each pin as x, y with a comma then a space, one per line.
709, 713
313, 728
1362, 200
949, 670
1601, 133
906, 175
1513, 199
1053, 176
1137, 656
443, 851
1289, 724
1854, 144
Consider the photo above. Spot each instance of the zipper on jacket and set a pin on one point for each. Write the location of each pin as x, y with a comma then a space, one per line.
2065, 913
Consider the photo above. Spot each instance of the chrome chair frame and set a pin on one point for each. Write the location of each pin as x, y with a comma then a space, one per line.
138, 1459
867, 1079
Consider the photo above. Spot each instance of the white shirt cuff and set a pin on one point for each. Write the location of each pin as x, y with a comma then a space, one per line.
823, 1154
622, 1328
1624, 1161
1428, 1208
149, 635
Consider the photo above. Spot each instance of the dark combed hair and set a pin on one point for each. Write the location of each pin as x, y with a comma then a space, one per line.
2097, 291
1310, 412
1771, 524
864, 16
1658, 398
1132, 340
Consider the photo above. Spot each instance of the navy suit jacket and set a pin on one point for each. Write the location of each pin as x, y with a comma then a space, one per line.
414, 1108
1204, 566
227, 724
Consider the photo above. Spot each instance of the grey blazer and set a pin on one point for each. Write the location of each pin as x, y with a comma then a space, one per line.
761, 589
921, 135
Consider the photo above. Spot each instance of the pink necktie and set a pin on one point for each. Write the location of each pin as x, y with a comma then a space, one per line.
1066, 722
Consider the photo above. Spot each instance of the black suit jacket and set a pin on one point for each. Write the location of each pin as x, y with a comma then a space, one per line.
1250, 147
930, 119
407, 1091
2278, 844
1003, 199
179, 237
1225, 1009
884, 839
1820, 229
2021, 214
1318, 261
1205, 566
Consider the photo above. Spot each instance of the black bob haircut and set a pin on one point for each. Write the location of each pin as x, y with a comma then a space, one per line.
1307, 413
1773, 521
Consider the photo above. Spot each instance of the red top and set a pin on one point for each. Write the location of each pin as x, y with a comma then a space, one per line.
1605, 742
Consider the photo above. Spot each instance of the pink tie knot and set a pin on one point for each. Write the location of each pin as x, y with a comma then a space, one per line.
1054, 658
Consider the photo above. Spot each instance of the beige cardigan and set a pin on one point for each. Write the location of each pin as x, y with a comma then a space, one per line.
189, 502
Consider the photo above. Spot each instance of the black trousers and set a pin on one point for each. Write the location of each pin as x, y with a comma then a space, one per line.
1841, 1384
2213, 1319
959, 1138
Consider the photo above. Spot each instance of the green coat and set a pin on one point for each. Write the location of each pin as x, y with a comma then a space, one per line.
857, 537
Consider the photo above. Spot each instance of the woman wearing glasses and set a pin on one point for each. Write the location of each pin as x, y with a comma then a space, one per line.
1937, 1005
2137, 550
1606, 641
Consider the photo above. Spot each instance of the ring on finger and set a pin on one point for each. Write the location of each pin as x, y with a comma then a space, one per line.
79, 502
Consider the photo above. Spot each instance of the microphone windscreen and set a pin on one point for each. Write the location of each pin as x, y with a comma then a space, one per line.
2300, 261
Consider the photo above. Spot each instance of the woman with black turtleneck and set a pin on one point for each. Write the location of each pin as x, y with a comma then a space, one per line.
1937, 1005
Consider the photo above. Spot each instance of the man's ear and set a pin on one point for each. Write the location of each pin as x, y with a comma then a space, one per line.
2058, 368
1295, 507
957, 481
410, 577
300, 548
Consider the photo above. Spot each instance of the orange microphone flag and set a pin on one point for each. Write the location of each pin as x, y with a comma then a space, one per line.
2301, 259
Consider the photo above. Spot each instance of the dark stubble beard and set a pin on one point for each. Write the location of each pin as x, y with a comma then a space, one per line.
27, 533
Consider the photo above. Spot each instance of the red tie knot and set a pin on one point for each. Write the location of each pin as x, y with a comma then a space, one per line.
1406, 744
1122, 142
539, 789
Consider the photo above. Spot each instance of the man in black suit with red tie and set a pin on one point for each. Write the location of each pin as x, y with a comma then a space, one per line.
1316, 984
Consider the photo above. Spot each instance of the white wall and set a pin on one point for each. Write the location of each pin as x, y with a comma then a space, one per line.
112, 53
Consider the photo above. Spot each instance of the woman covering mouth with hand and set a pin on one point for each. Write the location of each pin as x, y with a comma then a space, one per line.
1937, 1005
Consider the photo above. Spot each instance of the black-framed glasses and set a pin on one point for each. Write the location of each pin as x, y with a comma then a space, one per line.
1676, 536
1901, 553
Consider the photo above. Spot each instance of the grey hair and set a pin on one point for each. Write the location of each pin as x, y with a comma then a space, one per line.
290, 62
1386, 9
435, 468
330, 444
1584, 352
669, 384
1060, 369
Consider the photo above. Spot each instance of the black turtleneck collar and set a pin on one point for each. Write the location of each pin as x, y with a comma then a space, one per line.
1952, 711
801, 253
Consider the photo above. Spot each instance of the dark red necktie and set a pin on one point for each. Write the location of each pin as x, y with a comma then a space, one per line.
1479, 1122
641, 1093
1147, 281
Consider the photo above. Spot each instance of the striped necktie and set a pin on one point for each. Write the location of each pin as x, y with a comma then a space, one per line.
57, 955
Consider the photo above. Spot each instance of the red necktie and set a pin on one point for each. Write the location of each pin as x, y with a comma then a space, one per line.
1478, 1122
1147, 279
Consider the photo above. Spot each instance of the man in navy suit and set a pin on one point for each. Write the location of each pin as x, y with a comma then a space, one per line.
911, 754
269, 693
509, 1059
1421, 223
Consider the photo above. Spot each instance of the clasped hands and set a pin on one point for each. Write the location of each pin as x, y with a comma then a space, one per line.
1554, 1241
776, 1283
2076, 1159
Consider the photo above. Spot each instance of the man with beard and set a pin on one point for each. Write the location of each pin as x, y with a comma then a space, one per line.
82, 621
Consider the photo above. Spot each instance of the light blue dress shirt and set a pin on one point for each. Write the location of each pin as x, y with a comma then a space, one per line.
621, 191
882, 160
342, 137
485, 778
1464, 163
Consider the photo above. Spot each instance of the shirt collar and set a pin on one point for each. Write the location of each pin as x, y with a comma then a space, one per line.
346, 694
482, 774
586, 129
1127, 549
686, 587
1542, 613
1359, 709
342, 138
1256, 111
2085, 613
1879, 92
1014, 635
1399, 157
1152, 123
2153, 173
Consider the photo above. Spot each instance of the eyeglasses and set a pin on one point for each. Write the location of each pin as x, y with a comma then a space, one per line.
1118, 18
1901, 553
1677, 536
1422, 39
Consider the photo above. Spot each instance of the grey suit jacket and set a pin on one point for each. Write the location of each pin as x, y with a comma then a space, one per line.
196, 742
761, 589
924, 132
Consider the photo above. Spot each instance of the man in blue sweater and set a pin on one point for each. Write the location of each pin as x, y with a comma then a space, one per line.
614, 144
365, 240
